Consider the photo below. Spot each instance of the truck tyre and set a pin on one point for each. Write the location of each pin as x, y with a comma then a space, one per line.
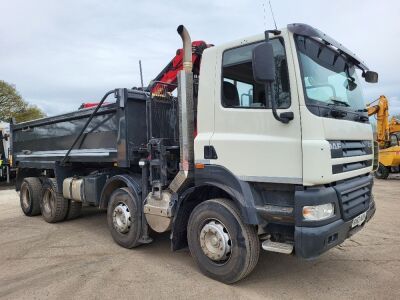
223, 247
124, 218
74, 209
382, 172
29, 196
53, 205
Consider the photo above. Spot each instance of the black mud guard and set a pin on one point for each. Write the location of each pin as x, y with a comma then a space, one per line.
222, 179
133, 182
240, 191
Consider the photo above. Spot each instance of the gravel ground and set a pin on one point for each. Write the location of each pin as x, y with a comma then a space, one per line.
78, 259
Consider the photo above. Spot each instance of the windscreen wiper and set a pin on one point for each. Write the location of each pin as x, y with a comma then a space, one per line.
337, 101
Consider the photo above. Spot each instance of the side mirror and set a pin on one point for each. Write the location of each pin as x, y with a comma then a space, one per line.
263, 63
264, 72
370, 76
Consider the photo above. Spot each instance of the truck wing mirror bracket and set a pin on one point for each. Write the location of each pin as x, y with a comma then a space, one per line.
287, 116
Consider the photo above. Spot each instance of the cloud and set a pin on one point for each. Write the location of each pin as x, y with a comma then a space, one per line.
394, 106
62, 53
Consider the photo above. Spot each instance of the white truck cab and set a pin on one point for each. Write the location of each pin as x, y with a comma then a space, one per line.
307, 178
234, 117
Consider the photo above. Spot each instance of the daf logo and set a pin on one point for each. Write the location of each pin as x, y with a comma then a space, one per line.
336, 145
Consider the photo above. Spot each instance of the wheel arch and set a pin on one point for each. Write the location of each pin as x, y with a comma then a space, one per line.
193, 197
132, 182
239, 191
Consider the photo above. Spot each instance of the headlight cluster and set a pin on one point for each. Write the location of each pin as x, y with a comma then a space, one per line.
318, 212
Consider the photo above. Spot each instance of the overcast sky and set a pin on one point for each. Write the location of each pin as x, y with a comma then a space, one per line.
62, 53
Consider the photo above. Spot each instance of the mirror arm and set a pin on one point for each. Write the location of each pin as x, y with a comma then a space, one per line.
284, 120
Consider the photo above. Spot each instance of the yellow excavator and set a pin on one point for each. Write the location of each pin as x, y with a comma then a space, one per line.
388, 138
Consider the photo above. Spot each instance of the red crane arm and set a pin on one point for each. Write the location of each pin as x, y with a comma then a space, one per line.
166, 81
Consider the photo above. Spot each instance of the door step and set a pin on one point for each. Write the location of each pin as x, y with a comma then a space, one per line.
284, 248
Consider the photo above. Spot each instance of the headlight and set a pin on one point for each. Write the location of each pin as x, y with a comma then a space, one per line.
318, 212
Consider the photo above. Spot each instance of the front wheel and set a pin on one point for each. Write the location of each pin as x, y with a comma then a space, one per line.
223, 247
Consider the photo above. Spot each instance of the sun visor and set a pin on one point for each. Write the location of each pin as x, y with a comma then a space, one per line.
309, 31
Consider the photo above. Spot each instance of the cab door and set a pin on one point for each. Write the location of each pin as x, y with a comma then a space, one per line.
247, 139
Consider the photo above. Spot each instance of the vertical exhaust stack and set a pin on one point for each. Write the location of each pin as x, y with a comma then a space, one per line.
187, 48
186, 114
159, 207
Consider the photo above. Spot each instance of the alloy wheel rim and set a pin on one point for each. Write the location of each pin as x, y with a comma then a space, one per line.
25, 197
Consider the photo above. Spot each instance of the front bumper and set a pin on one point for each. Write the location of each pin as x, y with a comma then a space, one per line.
285, 223
310, 242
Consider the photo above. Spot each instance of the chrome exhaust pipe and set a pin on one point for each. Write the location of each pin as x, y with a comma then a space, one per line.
187, 48
186, 114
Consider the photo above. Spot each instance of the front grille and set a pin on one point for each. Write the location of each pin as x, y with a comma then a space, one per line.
354, 196
346, 167
350, 148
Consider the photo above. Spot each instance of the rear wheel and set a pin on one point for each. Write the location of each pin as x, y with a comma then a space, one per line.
53, 205
223, 246
74, 209
29, 196
382, 172
123, 217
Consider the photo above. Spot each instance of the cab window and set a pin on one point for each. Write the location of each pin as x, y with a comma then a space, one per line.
239, 90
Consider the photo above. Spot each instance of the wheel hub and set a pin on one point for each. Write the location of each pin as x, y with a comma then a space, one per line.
215, 241
48, 200
25, 197
122, 218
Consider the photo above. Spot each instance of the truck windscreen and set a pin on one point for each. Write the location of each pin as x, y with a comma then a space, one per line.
329, 77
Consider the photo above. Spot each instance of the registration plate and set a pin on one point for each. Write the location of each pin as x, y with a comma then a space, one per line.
359, 220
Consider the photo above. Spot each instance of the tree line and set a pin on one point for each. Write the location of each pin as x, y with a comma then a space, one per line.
13, 106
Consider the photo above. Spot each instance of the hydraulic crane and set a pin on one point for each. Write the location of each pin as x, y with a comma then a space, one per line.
388, 136
166, 81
